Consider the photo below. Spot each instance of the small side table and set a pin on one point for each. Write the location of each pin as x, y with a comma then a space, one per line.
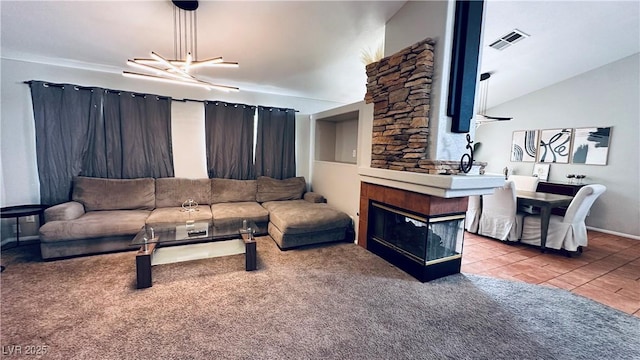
21, 211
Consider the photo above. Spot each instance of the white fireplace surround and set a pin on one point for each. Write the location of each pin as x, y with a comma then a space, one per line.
446, 186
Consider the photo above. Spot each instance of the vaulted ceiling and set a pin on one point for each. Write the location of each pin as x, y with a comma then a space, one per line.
567, 38
313, 49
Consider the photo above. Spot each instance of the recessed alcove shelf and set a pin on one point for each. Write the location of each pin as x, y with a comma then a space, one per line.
336, 138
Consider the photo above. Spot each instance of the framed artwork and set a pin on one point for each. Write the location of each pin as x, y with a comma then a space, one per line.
541, 171
524, 145
591, 145
555, 146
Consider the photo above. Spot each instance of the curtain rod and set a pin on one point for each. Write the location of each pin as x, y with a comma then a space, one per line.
234, 104
78, 87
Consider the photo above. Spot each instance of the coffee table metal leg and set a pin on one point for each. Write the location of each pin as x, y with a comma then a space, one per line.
143, 266
249, 252
250, 256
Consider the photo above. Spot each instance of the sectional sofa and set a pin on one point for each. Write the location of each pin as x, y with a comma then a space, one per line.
105, 214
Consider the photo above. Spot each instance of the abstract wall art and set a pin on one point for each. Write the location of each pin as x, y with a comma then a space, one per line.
524, 145
555, 146
591, 145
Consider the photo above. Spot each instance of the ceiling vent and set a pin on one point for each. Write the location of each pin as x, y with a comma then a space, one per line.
508, 39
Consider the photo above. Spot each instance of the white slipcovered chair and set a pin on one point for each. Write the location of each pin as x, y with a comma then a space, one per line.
473, 214
525, 183
499, 218
568, 232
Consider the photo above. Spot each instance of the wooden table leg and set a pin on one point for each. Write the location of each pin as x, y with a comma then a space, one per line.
143, 266
545, 215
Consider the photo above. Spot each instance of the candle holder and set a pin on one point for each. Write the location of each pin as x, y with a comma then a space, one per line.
190, 206
570, 178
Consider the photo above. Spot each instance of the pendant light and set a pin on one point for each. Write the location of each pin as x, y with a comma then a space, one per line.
482, 117
185, 47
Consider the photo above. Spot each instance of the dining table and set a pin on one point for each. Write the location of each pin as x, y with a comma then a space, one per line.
545, 202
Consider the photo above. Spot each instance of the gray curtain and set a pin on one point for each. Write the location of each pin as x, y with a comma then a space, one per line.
276, 143
229, 140
62, 123
99, 133
140, 136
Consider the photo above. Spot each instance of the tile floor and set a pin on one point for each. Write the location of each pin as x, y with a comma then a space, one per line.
607, 271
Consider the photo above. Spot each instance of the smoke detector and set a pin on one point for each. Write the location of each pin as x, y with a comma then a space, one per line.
509, 39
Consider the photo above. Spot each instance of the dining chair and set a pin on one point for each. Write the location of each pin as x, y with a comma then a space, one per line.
568, 232
472, 217
499, 218
525, 183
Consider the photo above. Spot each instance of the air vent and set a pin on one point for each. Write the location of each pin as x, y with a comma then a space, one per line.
508, 40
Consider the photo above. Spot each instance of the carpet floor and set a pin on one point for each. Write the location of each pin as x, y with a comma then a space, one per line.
335, 301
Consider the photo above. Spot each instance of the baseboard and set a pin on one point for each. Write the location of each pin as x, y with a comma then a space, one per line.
634, 237
23, 239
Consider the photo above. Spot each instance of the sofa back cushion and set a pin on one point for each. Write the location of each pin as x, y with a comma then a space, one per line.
114, 194
270, 189
172, 192
230, 190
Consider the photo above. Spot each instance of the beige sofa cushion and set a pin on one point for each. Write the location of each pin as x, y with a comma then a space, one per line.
172, 192
300, 216
230, 190
95, 224
225, 213
270, 189
177, 214
114, 194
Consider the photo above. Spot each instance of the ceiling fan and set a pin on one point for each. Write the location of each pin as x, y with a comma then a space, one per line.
482, 117
185, 42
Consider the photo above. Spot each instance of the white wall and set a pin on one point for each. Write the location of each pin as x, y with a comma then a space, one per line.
607, 96
325, 140
338, 182
414, 22
188, 140
347, 141
17, 133
303, 143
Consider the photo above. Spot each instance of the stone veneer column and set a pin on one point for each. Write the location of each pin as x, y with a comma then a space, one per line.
400, 88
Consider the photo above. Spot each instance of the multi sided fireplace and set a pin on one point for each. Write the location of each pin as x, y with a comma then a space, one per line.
421, 234
424, 246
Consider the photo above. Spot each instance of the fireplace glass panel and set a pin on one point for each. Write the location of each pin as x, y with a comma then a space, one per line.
424, 240
445, 237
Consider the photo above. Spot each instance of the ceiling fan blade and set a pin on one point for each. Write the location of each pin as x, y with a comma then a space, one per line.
497, 118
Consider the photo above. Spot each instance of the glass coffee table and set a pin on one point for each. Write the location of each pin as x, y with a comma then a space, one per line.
177, 242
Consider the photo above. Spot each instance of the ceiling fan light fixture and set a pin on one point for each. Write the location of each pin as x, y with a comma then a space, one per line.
181, 81
169, 65
164, 79
185, 42
224, 88
482, 117
153, 69
205, 63
226, 64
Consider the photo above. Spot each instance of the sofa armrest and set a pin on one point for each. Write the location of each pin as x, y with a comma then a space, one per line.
314, 197
65, 211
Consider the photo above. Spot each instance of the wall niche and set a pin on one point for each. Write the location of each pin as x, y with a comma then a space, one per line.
336, 138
